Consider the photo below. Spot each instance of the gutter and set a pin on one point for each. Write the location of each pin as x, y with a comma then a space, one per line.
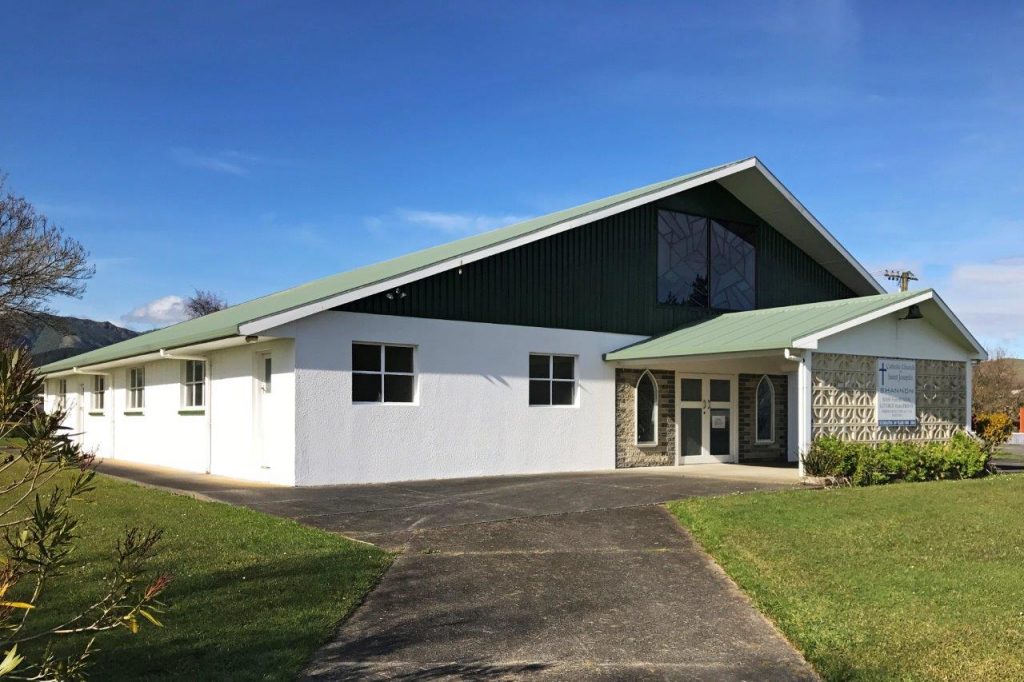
164, 355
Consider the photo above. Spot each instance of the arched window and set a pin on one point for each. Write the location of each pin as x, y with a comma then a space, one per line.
646, 410
765, 424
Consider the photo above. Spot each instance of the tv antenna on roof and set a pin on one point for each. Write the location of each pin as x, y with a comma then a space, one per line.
904, 277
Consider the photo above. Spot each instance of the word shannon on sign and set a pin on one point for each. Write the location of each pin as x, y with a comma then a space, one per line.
896, 392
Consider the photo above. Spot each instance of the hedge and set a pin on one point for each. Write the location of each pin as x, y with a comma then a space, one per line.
962, 456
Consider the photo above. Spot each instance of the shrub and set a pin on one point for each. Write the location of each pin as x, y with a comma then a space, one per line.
962, 456
828, 458
994, 429
42, 470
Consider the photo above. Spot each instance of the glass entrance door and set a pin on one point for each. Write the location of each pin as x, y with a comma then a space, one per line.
707, 418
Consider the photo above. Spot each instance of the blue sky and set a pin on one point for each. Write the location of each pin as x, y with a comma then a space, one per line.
247, 147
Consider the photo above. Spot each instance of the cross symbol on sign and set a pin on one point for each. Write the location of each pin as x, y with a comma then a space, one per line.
882, 371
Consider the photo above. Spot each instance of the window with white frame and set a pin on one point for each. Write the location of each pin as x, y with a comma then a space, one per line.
99, 389
62, 393
194, 385
552, 379
646, 410
765, 403
383, 373
136, 388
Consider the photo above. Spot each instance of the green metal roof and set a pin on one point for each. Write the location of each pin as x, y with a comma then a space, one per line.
225, 323
757, 330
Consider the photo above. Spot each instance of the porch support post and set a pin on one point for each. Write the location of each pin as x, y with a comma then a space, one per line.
805, 407
968, 408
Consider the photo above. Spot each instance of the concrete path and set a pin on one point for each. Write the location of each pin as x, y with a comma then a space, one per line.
1010, 459
564, 576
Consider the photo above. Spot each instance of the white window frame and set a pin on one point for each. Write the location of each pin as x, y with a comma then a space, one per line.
98, 395
757, 406
382, 345
132, 389
265, 360
636, 410
62, 393
188, 386
551, 379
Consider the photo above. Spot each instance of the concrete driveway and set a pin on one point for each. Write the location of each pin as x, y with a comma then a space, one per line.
563, 576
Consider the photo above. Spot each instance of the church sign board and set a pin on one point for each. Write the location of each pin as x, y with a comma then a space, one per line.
896, 392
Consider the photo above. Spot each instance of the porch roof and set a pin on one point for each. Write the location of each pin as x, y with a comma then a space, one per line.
797, 326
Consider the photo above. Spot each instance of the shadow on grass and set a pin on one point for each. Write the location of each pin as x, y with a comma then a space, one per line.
237, 624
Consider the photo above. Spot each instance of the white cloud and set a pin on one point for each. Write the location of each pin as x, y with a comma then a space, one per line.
227, 162
454, 223
832, 24
989, 299
157, 313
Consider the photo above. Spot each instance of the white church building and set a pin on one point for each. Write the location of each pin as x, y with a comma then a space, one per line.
707, 318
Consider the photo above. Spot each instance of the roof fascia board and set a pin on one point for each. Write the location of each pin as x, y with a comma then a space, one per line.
209, 346
264, 323
149, 356
734, 355
822, 230
982, 354
810, 341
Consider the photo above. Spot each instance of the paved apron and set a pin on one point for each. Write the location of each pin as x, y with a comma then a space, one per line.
567, 576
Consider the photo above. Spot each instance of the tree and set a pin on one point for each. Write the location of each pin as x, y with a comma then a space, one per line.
41, 471
37, 261
994, 429
995, 382
203, 302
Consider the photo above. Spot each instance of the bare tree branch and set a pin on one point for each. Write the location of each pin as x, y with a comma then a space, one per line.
37, 262
203, 302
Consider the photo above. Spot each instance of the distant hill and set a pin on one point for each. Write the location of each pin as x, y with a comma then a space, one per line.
56, 337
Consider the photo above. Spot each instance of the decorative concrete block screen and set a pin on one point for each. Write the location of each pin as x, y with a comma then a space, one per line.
627, 452
844, 399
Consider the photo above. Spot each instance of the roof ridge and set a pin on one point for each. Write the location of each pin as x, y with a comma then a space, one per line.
511, 228
281, 306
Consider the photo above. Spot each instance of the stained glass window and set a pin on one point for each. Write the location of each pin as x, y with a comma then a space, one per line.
705, 263
765, 411
732, 269
646, 410
682, 259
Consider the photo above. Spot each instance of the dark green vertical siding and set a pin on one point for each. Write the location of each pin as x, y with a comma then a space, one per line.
788, 276
602, 276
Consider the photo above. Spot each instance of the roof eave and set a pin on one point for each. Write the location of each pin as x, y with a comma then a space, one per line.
69, 367
810, 341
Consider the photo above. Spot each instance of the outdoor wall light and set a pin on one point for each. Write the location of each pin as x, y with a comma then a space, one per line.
913, 313
397, 292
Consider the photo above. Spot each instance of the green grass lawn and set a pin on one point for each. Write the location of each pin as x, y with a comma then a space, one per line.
252, 595
908, 581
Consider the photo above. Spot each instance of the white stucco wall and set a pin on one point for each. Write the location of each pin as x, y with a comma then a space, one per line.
471, 416
243, 447
162, 435
892, 337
